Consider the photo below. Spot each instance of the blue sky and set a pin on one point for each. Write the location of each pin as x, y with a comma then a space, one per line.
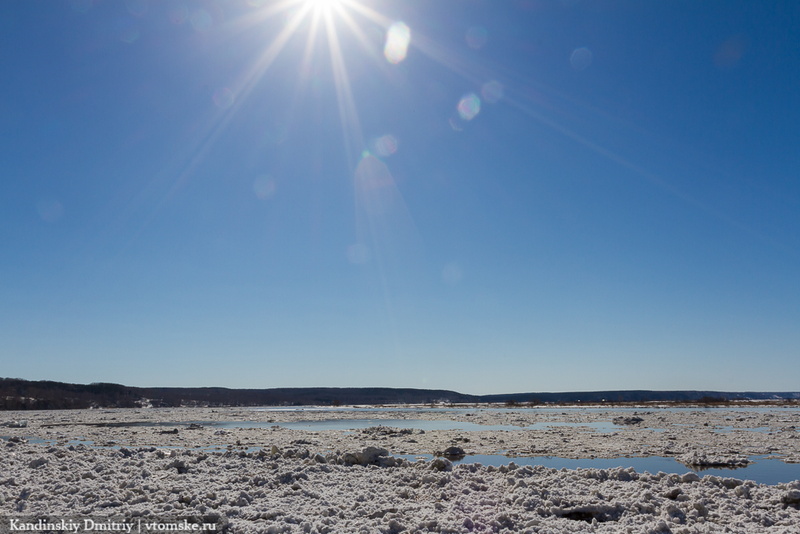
485, 196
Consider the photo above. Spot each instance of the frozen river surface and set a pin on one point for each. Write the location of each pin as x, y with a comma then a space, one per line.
557, 470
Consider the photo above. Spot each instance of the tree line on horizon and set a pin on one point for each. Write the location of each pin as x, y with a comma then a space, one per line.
20, 394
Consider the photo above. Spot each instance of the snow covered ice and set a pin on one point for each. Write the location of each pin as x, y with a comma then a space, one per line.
274, 479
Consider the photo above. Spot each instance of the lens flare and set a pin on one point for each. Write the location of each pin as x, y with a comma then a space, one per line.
397, 40
129, 35
581, 58
264, 186
476, 37
50, 210
201, 20
492, 92
384, 146
469, 107
137, 8
179, 14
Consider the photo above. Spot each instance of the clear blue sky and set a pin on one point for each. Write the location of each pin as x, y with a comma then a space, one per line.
478, 195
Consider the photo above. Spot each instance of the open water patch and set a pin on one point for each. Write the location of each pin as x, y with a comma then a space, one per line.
359, 424
761, 470
414, 424
428, 425
650, 410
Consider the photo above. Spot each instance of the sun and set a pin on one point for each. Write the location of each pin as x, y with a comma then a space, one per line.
322, 7
336, 24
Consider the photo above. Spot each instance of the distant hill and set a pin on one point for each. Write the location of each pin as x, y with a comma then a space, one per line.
18, 394
640, 396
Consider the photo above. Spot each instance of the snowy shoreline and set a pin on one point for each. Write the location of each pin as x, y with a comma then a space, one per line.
275, 479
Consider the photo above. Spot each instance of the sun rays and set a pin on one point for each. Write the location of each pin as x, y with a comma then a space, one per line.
323, 6
329, 21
